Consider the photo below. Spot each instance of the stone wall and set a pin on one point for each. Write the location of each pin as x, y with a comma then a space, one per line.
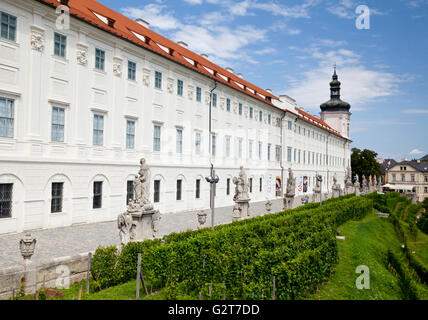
46, 274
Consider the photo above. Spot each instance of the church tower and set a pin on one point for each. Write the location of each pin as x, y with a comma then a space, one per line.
335, 112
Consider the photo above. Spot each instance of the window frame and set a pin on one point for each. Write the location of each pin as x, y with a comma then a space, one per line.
62, 49
157, 138
5, 119
6, 204
97, 195
57, 198
100, 57
8, 26
130, 135
56, 126
132, 70
96, 131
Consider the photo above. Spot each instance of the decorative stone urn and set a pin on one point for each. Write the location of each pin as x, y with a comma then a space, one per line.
27, 246
268, 206
202, 219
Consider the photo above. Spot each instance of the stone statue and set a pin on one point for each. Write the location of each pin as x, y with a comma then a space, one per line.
125, 225
241, 186
335, 188
241, 197
357, 185
290, 192
141, 220
291, 184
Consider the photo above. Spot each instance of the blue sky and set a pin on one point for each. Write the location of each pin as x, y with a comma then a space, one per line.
291, 46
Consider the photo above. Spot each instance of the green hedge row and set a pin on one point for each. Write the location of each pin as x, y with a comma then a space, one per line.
407, 283
295, 244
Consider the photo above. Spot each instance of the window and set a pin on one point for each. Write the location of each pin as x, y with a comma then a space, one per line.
278, 153
6, 200
261, 184
214, 100
56, 201
129, 191
426, 178
295, 155
58, 124
132, 70
156, 138
251, 112
198, 188
260, 151
98, 195
179, 141
289, 151
8, 26
268, 151
228, 147
251, 185
299, 156
269, 119
425, 191
228, 186
198, 94
412, 177
394, 177
198, 142
100, 59
60, 45
239, 148
213, 145
158, 80
304, 132
156, 191
179, 185
278, 122
304, 157
228, 105
261, 116
180, 87
130, 134
250, 149
98, 129
300, 131
6, 118
403, 178
240, 109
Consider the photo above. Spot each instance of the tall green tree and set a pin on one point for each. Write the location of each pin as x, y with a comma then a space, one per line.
364, 163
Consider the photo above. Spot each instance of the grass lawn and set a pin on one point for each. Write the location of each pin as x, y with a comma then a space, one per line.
366, 244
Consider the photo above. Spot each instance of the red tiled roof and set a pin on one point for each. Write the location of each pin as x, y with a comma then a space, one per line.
124, 27
317, 122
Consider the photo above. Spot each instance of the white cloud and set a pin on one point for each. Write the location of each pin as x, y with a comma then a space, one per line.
155, 15
415, 152
194, 1
360, 85
415, 111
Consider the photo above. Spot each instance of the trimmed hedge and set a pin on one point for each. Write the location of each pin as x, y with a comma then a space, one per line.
297, 246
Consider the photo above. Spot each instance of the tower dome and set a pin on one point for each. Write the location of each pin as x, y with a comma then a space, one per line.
335, 103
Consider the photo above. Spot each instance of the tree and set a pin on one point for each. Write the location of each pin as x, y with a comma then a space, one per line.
423, 220
364, 163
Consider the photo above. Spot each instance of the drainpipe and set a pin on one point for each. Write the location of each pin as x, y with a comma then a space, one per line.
328, 163
212, 173
282, 155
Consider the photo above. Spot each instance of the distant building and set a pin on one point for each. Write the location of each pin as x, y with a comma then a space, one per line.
409, 177
385, 165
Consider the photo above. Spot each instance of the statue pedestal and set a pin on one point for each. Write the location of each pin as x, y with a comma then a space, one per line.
143, 222
288, 201
241, 210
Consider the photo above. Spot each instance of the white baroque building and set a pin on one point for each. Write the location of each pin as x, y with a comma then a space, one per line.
81, 104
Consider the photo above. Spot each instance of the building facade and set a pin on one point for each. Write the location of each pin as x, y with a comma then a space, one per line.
409, 177
79, 107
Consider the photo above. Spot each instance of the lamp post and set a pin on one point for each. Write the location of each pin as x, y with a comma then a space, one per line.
213, 179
